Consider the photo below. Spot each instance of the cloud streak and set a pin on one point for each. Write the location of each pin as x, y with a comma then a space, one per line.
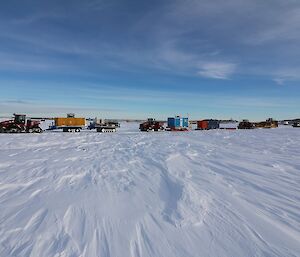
146, 50
216, 70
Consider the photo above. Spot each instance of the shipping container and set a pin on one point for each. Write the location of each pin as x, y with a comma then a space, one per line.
213, 124
202, 124
228, 125
207, 124
178, 123
69, 122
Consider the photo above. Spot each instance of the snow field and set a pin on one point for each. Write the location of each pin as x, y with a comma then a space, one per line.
200, 193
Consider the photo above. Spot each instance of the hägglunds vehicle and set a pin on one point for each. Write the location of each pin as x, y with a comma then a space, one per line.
104, 125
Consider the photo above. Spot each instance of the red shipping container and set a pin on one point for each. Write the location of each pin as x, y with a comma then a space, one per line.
202, 124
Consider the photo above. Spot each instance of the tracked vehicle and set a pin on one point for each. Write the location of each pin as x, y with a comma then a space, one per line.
296, 124
269, 123
20, 125
246, 124
104, 126
151, 125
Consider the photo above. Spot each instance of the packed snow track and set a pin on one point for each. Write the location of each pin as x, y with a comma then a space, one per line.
131, 194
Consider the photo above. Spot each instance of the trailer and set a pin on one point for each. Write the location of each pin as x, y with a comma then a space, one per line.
229, 125
152, 125
207, 124
68, 124
178, 124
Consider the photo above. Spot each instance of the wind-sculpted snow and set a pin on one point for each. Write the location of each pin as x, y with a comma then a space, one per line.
132, 194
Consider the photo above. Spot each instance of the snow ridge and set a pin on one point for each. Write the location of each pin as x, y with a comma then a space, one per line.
210, 193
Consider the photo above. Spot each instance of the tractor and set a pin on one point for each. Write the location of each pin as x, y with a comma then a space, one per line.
20, 125
151, 125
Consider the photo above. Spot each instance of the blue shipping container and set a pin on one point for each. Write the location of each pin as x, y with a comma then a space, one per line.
178, 122
185, 122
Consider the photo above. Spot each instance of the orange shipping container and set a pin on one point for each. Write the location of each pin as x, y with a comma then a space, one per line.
69, 122
202, 124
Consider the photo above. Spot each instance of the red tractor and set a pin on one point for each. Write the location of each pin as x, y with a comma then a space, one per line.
151, 125
20, 125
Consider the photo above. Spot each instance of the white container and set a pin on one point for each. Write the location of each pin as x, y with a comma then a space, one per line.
229, 125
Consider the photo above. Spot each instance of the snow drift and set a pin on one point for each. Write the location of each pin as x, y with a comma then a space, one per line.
200, 193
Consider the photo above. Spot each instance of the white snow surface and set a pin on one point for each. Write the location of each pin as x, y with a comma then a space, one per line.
190, 194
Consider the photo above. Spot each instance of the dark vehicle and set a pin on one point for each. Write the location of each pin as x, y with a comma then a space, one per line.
151, 125
296, 124
20, 125
246, 124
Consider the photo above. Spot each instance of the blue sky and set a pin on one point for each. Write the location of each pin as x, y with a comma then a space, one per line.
134, 59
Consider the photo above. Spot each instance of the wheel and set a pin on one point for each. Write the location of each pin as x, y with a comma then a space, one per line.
13, 130
103, 130
31, 130
69, 130
77, 130
38, 130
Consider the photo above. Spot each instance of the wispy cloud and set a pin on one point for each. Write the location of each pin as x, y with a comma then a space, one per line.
217, 70
36, 108
179, 34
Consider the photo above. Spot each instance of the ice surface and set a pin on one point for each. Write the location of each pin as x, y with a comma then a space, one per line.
200, 193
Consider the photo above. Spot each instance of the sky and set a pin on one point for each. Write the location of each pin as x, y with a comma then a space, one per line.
137, 59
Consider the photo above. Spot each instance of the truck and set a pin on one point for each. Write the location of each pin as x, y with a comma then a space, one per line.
69, 124
151, 125
178, 123
20, 125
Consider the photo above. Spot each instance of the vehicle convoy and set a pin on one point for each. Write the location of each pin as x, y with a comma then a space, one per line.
207, 124
20, 125
269, 123
246, 124
178, 124
69, 124
103, 125
152, 125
